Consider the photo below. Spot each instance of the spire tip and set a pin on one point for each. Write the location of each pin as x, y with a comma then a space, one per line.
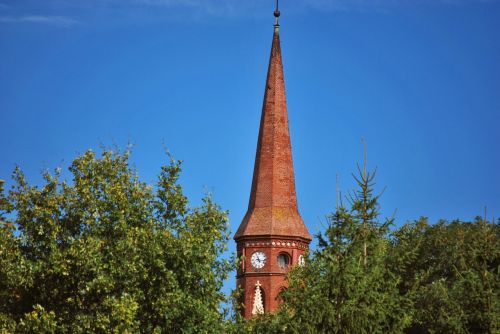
277, 14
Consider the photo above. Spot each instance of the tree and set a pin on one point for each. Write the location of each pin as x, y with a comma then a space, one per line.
106, 252
450, 271
420, 278
346, 286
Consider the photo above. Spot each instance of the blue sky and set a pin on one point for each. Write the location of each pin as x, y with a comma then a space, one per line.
419, 80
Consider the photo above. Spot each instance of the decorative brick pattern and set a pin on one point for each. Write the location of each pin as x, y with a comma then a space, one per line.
272, 209
272, 224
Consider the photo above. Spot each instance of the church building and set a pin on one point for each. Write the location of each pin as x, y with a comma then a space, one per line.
272, 236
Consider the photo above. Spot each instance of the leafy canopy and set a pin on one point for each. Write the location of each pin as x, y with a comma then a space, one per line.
106, 252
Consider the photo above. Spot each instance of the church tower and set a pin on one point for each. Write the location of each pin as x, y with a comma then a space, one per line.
272, 236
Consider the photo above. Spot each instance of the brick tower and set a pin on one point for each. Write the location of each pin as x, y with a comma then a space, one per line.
272, 236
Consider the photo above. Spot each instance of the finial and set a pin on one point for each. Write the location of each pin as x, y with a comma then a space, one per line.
277, 14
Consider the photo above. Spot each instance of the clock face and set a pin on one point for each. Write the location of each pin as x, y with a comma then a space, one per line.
258, 260
302, 260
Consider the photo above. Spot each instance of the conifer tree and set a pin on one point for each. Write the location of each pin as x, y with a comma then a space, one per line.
450, 272
346, 286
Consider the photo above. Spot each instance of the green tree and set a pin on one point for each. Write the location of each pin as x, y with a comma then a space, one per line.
450, 271
106, 252
346, 286
420, 278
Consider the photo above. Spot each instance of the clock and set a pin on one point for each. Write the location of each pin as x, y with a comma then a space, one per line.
302, 260
258, 260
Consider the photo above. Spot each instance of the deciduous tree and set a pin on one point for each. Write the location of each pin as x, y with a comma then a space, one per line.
105, 252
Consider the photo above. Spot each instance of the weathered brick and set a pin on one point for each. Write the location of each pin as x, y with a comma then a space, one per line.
272, 224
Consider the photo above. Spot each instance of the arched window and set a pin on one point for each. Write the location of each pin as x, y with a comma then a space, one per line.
283, 260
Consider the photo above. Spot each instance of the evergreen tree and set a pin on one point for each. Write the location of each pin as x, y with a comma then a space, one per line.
346, 286
450, 271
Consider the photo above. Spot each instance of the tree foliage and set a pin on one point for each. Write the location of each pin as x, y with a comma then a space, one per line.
108, 253
450, 272
346, 287
366, 278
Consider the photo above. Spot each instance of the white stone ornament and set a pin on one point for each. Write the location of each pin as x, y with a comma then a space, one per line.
258, 260
302, 260
258, 306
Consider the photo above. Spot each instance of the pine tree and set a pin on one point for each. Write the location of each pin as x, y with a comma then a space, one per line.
346, 286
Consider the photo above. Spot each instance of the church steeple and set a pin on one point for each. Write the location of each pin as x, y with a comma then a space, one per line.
272, 236
272, 209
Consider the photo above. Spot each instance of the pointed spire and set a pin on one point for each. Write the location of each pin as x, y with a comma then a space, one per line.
272, 209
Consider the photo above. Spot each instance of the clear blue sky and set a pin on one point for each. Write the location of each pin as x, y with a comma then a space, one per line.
419, 80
